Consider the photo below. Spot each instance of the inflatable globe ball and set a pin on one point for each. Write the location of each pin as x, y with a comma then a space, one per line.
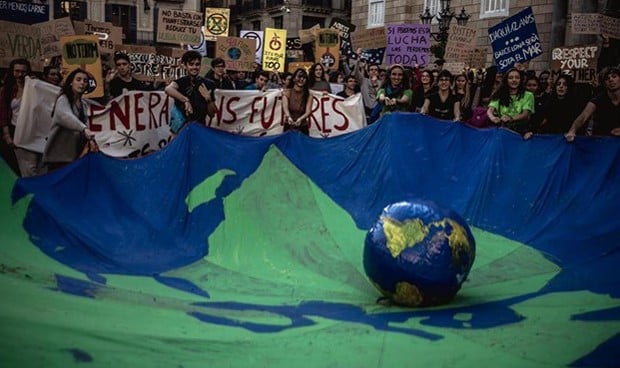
418, 254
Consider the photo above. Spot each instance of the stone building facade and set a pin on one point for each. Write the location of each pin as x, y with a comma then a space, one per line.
552, 18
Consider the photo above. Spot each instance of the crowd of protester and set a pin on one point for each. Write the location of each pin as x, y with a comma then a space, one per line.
520, 100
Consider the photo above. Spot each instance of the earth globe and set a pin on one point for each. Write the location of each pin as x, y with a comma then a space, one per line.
418, 254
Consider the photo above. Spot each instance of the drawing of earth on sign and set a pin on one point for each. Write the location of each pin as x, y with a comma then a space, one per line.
234, 53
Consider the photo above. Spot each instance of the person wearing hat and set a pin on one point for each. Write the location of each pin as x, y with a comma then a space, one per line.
604, 108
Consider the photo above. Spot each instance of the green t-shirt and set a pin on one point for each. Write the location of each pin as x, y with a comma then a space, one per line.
516, 107
399, 107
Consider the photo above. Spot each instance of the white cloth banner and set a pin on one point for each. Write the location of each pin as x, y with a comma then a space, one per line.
260, 113
132, 124
35, 115
137, 122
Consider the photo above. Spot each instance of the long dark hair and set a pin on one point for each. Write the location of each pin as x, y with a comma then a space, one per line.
67, 89
306, 89
10, 81
503, 93
311, 78
570, 87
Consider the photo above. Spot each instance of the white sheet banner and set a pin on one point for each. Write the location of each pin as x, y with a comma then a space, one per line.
137, 122
35, 115
260, 113
132, 124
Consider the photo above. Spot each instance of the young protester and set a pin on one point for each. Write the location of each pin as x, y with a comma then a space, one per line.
317, 79
423, 90
604, 108
51, 74
395, 94
70, 134
260, 83
464, 93
511, 105
442, 104
368, 81
119, 80
297, 103
561, 108
193, 94
10, 101
350, 87
218, 77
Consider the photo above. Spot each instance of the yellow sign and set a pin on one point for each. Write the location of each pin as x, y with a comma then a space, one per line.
83, 52
274, 50
217, 21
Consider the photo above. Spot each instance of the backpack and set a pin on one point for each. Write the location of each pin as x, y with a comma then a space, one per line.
479, 118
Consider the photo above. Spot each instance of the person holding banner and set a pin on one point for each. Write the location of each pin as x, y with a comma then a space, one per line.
10, 101
69, 136
604, 108
562, 107
350, 87
395, 94
297, 103
511, 105
443, 104
193, 94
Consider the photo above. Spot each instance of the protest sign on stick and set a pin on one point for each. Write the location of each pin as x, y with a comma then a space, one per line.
408, 44
578, 61
179, 27
238, 53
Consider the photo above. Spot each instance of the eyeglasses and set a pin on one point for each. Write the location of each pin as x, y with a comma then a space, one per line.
194, 64
302, 77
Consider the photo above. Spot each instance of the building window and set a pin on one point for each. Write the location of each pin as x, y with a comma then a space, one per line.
123, 16
309, 22
278, 22
376, 13
434, 7
494, 8
76, 10
256, 25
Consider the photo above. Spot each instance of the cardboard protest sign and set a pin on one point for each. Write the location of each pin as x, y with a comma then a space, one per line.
515, 40
578, 61
179, 27
217, 22
259, 37
477, 58
595, 24
24, 13
294, 50
461, 42
150, 63
274, 50
20, 41
306, 65
308, 35
327, 46
50, 35
455, 67
373, 38
108, 34
82, 52
238, 53
408, 44
345, 28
